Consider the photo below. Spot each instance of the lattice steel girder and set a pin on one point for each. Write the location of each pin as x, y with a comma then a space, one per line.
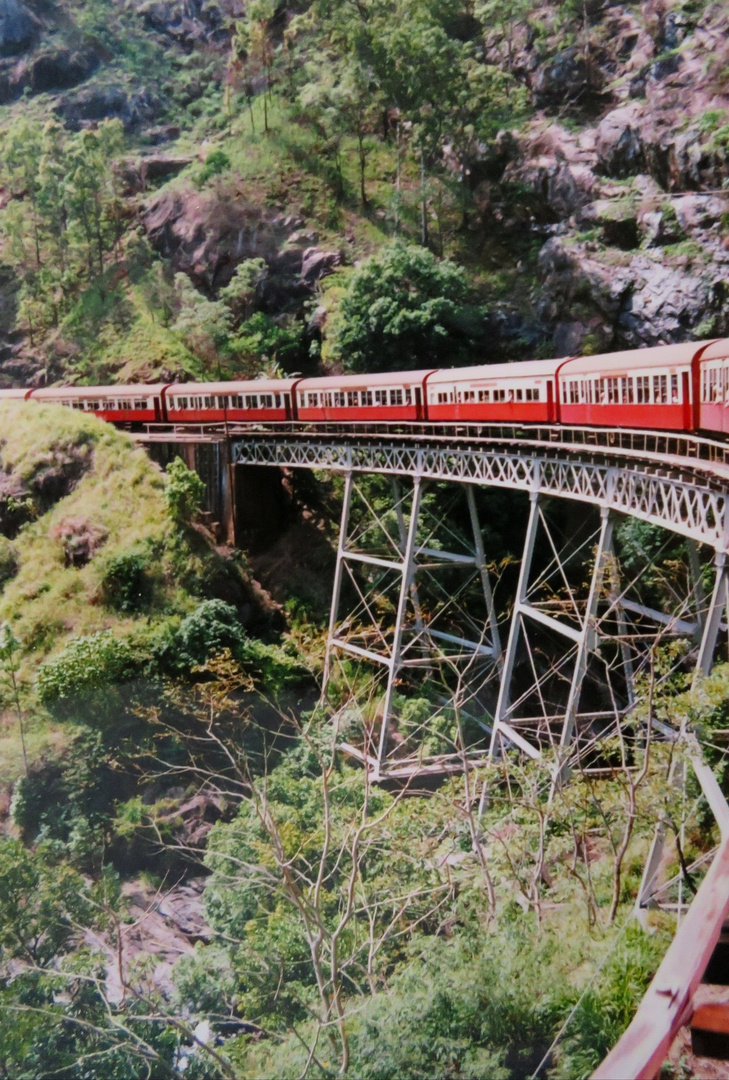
415, 641
677, 504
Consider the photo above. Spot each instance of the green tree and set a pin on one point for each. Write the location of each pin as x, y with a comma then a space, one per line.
403, 308
203, 325
93, 196
240, 292
253, 47
10, 661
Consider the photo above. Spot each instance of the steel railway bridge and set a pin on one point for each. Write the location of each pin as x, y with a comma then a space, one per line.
544, 658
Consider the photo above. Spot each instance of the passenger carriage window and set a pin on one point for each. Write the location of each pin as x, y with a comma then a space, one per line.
484, 395
278, 401
327, 400
674, 389
366, 398
396, 397
660, 389
352, 398
642, 389
338, 400
380, 397
266, 401
520, 395
312, 400
574, 392
442, 399
408, 396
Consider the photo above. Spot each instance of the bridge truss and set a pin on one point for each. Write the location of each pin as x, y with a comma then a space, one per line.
550, 668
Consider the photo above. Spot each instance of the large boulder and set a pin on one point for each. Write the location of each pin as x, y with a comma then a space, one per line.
570, 78
59, 69
636, 300
18, 28
150, 168
192, 22
86, 107
618, 144
207, 234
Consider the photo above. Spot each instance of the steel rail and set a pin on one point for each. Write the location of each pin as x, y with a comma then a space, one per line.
667, 1003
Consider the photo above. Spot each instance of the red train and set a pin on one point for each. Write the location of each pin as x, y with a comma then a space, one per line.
673, 387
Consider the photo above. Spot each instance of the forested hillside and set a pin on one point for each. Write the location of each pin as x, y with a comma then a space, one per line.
195, 879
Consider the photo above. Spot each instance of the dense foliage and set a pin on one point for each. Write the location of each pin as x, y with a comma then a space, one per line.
404, 309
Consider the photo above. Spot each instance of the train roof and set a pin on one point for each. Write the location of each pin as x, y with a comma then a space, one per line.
366, 380
717, 350
13, 392
524, 369
250, 386
661, 356
116, 390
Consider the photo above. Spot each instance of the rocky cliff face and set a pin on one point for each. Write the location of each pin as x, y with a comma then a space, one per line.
625, 166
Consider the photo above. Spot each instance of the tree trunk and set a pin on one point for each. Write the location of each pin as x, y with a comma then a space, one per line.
362, 161
423, 203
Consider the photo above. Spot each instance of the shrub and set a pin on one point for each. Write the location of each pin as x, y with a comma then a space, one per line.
8, 561
87, 664
125, 585
215, 163
184, 492
210, 629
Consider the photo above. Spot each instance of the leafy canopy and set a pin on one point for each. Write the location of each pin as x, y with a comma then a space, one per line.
405, 309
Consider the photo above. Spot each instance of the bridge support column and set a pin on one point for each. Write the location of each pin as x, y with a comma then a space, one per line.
395, 560
547, 601
712, 623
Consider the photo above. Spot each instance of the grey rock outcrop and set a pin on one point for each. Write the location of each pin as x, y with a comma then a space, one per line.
207, 234
19, 28
570, 78
618, 144
630, 302
89, 105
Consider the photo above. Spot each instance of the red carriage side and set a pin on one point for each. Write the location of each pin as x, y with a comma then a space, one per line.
496, 393
392, 396
134, 404
642, 388
254, 401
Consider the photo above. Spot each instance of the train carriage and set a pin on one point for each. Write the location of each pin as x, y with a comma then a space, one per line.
713, 387
386, 398
122, 405
255, 401
646, 388
499, 393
